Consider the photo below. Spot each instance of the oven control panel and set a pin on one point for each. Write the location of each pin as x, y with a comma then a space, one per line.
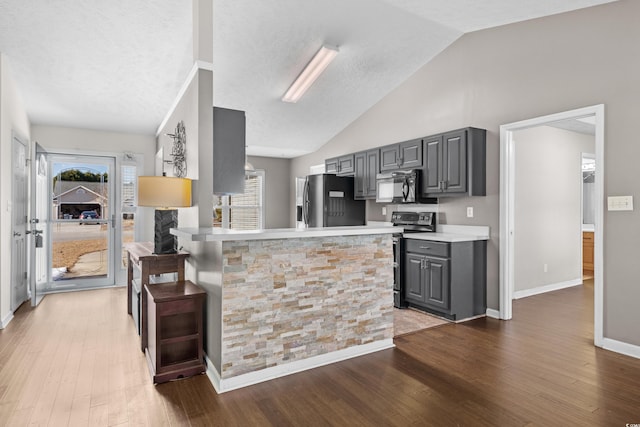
415, 219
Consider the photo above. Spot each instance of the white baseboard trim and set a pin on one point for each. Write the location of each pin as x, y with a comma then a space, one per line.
621, 347
244, 380
8, 318
494, 314
547, 288
212, 373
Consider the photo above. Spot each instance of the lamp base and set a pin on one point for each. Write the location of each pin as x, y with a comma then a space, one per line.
164, 242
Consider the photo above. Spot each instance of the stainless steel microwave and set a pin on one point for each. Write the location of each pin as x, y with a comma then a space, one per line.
397, 186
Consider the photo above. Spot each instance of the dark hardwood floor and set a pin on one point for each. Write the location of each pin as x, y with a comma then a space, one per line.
75, 360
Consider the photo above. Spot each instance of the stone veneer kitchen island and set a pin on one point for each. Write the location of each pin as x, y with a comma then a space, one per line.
281, 301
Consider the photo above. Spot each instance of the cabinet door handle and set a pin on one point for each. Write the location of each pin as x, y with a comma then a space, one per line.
427, 264
425, 247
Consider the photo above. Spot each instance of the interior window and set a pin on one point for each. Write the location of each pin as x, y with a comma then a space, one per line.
242, 211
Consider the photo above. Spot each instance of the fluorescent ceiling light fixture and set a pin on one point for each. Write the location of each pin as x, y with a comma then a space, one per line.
310, 73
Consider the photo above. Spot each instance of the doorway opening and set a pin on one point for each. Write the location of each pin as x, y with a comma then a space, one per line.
78, 214
508, 206
588, 213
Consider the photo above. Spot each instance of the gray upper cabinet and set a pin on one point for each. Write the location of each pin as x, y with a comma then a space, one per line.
373, 169
389, 158
455, 164
432, 162
452, 164
411, 154
331, 165
404, 155
343, 165
360, 175
366, 168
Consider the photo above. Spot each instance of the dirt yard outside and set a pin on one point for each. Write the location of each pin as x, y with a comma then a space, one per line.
66, 254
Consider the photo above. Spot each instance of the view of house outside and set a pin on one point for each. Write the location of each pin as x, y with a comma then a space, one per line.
79, 240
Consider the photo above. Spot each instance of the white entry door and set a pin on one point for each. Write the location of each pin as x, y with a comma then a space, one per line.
19, 283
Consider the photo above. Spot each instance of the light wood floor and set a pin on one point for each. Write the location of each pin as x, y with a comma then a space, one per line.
75, 361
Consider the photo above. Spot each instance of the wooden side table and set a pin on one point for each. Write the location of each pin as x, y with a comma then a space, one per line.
174, 313
142, 257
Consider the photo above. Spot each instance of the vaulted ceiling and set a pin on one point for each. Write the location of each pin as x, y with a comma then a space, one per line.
118, 65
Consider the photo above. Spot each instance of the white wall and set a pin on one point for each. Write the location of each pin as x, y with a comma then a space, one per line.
277, 183
515, 72
13, 118
186, 111
548, 188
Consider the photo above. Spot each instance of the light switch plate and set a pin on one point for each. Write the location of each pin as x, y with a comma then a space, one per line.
470, 212
620, 203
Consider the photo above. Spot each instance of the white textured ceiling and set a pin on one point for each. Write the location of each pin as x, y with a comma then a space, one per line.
117, 65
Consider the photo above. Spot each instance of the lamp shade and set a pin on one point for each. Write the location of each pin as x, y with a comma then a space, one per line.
164, 191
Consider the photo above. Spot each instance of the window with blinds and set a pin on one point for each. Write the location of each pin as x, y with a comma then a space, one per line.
242, 211
128, 191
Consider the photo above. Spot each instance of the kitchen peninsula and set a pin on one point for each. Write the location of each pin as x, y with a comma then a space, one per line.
285, 300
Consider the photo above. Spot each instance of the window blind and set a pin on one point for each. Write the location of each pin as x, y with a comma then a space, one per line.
244, 211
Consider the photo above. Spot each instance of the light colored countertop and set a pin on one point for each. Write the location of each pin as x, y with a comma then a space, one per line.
588, 227
453, 233
221, 235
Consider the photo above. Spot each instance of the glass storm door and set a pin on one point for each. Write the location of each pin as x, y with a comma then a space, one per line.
80, 222
39, 254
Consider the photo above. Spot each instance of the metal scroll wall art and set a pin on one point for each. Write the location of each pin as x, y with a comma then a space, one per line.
178, 151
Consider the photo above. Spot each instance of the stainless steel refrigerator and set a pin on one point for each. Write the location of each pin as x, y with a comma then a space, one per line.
328, 202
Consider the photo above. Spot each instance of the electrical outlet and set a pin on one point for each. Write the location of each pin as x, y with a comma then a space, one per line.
545, 268
470, 212
384, 210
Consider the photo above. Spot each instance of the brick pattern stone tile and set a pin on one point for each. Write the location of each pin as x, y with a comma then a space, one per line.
291, 299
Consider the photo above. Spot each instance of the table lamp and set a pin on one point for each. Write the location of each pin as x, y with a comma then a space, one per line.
165, 193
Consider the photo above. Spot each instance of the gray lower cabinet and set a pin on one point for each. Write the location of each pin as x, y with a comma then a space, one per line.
447, 279
366, 167
454, 164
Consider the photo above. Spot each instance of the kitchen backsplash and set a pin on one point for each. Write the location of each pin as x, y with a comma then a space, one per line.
374, 210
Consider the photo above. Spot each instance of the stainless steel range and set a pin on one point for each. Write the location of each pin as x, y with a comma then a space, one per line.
413, 222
